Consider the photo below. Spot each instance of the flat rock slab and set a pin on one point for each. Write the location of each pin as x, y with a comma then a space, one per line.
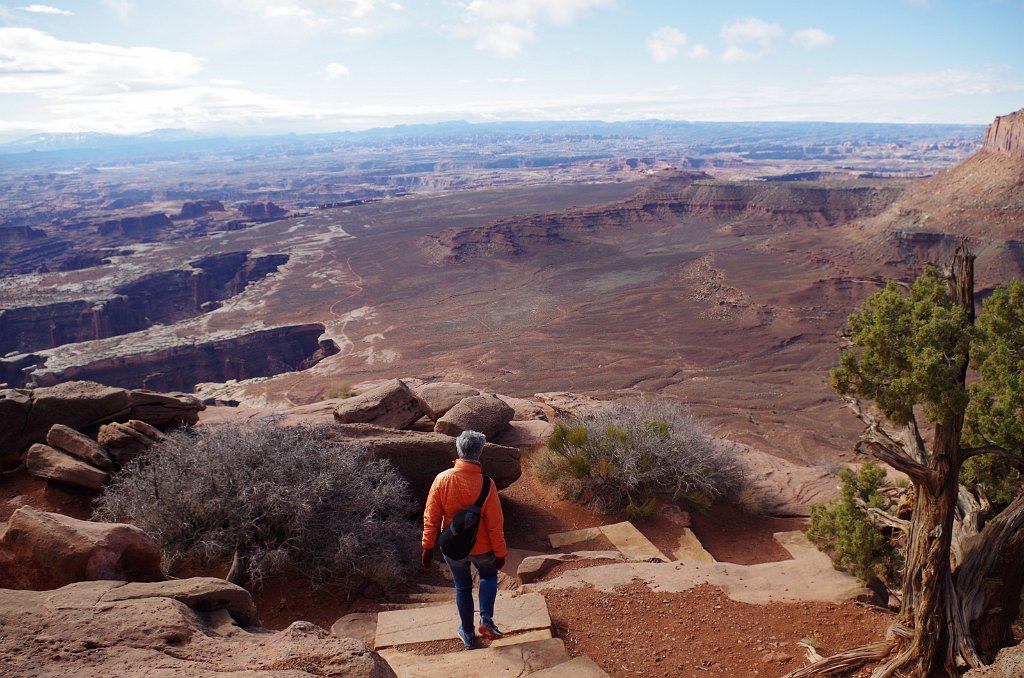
524, 637
690, 548
809, 576
631, 542
439, 622
520, 659
580, 667
359, 625
623, 536
560, 539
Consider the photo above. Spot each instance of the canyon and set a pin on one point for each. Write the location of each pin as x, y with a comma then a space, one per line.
717, 270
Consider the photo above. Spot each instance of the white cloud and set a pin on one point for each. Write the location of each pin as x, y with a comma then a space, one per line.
346, 16
559, 12
505, 27
120, 7
748, 39
739, 55
335, 71
665, 43
699, 51
223, 82
751, 30
504, 40
109, 88
46, 9
34, 62
812, 38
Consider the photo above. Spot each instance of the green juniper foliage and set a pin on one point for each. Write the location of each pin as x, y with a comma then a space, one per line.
842, 526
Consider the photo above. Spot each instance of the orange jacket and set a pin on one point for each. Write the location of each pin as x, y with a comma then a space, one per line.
454, 490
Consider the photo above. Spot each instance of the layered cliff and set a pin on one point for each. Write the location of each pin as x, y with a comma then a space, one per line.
173, 363
159, 297
1006, 135
735, 206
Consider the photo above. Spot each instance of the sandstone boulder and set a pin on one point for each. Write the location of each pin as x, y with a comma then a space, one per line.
165, 410
126, 441
108, 628
27, 415
419, 456
47, 462
441, 396
486, 413
531, 435
569, 405
526, 410
391, 404
41, 551
78, 445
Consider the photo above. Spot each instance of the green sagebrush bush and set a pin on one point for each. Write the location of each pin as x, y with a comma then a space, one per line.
277, 498
625, 456
842, 527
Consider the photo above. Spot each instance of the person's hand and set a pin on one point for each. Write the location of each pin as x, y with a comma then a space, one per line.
427, 557
499, 562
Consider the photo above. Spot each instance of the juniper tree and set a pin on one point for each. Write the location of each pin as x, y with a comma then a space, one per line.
909, 356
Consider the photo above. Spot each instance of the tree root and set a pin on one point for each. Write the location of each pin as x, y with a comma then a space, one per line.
854, 658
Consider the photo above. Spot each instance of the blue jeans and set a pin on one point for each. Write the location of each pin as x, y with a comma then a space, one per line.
463, 576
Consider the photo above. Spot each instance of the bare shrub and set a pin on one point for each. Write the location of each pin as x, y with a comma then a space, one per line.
341, 390
621, 458
274, 499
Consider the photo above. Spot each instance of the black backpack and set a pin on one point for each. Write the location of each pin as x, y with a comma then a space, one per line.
459, 537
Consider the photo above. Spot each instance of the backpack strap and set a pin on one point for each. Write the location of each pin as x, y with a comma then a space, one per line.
484, 491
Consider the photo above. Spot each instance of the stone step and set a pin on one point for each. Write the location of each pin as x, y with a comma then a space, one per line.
690, 548
512, 614
624, 536
580, 667
520, 659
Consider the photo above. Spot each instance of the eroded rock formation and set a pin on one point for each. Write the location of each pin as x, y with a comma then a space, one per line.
179, 367
190, 628
42, 551
1006, 135
159, 297
26, 416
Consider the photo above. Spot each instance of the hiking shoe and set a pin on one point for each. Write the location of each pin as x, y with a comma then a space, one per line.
468, 639
488, 630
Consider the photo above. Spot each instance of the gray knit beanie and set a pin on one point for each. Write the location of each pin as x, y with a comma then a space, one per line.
470, 444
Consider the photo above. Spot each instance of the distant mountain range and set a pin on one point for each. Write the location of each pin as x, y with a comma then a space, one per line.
704, 134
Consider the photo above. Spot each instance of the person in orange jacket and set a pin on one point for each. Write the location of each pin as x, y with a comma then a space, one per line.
452, 491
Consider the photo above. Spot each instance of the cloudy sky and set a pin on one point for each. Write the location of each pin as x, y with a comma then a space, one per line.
267, 66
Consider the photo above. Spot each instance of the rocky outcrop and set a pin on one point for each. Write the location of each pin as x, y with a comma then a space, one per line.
1009, 663
774, 205
1006, 135
199, 208
26, 416
486, 413
52, 464
190, 628
80, 446
179, 367
126, 441
419, 456
135, 228
441, 396
261, 211
159, 297
10, 235
41, 551
391, 404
